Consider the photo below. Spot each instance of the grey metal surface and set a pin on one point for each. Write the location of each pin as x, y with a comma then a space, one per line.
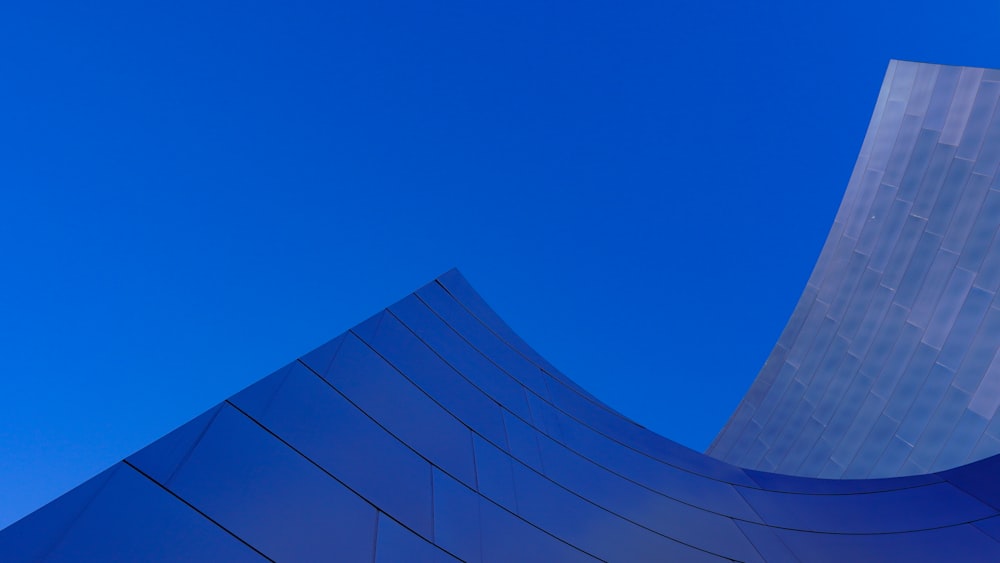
888, 365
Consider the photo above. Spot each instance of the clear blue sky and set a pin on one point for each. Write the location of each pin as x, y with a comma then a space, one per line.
194, 193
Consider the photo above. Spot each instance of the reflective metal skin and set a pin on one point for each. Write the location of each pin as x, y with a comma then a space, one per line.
888, 365
431, 432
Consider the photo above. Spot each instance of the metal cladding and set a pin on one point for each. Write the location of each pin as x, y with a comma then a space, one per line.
431, 432
889, 364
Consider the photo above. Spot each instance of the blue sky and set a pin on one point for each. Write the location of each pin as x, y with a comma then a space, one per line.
192, 194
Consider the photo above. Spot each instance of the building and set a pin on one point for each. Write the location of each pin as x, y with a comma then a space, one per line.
889, 364
432, 432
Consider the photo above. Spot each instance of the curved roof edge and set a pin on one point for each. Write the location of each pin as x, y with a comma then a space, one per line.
432, 432
888, 365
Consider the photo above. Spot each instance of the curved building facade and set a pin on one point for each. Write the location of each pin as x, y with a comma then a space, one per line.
889, 365
432, 432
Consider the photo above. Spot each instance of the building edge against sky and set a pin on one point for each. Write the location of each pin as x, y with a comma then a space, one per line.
432, 432
888, 364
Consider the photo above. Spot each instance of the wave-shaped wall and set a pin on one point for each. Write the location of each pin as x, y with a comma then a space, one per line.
432, 432
889, 364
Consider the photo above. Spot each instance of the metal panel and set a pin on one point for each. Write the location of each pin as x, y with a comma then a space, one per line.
917, 263
432, 432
